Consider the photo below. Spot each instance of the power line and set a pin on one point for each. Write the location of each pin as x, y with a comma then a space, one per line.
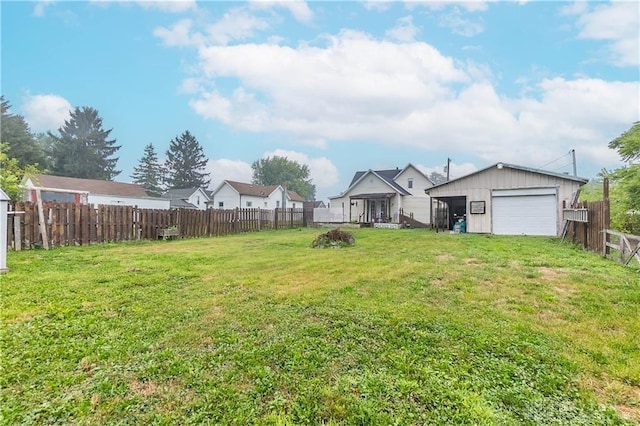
553, 161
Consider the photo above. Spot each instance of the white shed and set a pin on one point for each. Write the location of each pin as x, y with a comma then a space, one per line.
506, 199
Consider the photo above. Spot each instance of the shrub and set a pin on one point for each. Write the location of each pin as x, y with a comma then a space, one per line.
334, 239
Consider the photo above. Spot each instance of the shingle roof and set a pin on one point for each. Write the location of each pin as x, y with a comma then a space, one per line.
182, 193
293, 196
93, 186
386, 175
252, 189
175, 203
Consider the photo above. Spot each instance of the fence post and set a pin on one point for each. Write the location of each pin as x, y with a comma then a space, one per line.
607, 215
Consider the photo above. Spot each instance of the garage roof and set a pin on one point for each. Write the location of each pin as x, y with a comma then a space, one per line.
514, 167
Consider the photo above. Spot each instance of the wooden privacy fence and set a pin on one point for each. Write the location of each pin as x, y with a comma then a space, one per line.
76, 224
586, 224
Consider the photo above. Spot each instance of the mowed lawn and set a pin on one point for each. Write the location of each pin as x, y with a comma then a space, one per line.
405, 327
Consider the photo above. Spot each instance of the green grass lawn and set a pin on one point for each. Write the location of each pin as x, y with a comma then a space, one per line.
405, 327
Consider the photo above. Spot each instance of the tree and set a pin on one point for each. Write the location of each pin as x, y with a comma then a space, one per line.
437, 178
149, 172
21, 144
83, 149
625, 208
628, 144
186, 163
287, 173
11, 174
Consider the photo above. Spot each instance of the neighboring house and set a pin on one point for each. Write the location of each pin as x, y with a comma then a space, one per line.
232, 195
313, 205
507, 199
382, 195
187, 198
89, 191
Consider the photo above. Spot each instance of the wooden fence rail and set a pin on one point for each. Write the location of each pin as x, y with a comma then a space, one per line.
78, 224
627, 246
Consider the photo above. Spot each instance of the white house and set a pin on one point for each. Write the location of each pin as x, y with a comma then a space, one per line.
89, 191
383, 195
507, 199
231, 195
187, 198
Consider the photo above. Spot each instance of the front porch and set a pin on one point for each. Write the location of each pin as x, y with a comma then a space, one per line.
367, 209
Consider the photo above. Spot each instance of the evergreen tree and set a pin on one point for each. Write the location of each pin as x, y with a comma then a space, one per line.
287, 173
149, 172
21, 144
83, 149
186, 163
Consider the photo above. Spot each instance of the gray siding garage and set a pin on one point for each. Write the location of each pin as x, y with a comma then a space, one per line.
506, 199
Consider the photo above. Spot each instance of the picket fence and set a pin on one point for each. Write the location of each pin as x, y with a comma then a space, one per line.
78, 224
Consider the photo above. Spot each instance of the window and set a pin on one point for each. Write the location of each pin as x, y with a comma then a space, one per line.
198, 201
220, 204
249, 203
294, 205
277, 204
410, 183
265, 204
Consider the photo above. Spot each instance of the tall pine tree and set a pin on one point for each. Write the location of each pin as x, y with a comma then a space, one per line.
186, 163
83, 149
20, 143
149, 172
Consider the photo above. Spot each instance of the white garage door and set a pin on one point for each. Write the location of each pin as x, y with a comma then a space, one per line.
525, 211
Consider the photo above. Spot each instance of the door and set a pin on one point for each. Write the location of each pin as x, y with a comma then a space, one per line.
525, 212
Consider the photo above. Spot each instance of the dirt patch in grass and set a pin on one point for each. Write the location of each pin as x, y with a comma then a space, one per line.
143, 388
550, 274
444, 257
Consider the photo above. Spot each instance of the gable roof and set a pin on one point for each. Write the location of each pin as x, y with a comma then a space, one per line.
176, 203
181, 193
252, 188
514, 167
294, 196
93, 186
386, 176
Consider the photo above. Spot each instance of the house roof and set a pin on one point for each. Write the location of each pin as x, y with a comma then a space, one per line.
293, 196
104, 187
386, 176
176, 203
259, 190
252, 189
514, 167
182, 193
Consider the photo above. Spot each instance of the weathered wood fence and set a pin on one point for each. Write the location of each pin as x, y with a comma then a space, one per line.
627, 246
76, 224
587, 222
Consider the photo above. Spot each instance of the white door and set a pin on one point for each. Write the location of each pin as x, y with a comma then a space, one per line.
525, 211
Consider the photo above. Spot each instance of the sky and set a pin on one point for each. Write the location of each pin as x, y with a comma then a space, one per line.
339, 86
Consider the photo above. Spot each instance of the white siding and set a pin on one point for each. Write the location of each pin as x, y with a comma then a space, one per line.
478, 187
226, 195
143, 203
199, 199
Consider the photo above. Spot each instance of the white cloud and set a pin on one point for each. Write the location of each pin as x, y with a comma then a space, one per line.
456, 170
357, 88
617, 23
469, 6
298, 8
322, 171
236, 24
404, 30
377, 5
45, 112
179, 34
224, 169
460, 25
41, 6
171, 6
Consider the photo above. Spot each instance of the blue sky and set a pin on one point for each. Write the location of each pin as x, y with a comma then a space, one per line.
340, 86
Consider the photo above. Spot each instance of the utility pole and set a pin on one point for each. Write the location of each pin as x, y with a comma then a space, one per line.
448, 167
573, 158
